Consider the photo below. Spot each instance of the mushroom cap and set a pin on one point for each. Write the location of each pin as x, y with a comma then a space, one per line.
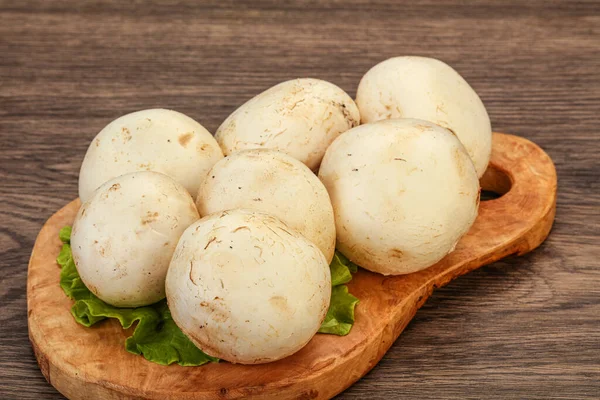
275, 183
300, 117
124, 236
158, 140
245, 287
404, 192
427, 89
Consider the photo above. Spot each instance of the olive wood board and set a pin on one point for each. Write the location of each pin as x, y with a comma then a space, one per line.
92, 363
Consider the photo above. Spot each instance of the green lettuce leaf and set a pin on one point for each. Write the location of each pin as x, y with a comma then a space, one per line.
166, 342
345, 261
65, 234
340, 316
341, 269
156, 336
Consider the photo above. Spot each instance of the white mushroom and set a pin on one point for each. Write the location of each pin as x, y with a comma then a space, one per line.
124, 236
275, 183
154, 140
404, 192
245, 287
299, 117
428, 89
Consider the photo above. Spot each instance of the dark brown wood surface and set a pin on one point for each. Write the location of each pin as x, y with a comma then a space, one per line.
527, 327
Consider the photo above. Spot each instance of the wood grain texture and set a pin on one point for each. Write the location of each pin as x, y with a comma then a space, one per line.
526, 327
75, 359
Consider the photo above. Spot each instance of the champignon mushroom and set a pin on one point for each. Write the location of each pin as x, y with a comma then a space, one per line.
247, 288
124, 236
299, 117
428, 89
404, 191
158, 140
275, 183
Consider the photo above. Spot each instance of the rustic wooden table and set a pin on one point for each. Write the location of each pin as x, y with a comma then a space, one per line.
526, 327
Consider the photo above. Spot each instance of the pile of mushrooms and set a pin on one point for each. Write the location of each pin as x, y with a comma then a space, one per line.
238, 230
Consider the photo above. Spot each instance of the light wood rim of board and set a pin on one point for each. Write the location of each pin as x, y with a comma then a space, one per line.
84, 363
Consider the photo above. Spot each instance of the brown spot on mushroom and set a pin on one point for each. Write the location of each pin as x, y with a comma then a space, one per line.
277, 134
115, 187
185, 139
292, 106
97, 142
126, 134
190, 274
211, 240
218, 310
397, 253
286, 165
346, 113
202, 146
149, 217
280, 303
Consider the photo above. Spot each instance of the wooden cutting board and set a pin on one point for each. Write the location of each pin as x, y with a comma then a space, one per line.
91, 363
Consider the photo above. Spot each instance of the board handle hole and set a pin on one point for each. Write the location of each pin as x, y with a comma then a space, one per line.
495, 183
